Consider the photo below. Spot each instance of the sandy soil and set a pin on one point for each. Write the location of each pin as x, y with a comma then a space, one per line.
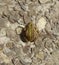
14, 15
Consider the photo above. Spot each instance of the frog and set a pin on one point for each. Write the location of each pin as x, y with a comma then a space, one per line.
30, 32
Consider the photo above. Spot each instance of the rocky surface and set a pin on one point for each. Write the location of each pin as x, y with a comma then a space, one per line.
14, 16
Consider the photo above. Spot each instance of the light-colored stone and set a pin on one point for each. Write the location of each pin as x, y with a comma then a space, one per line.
40, 55
20, 21
18, 30
10, 45
26, 60
21, 43
41, 23
3, 32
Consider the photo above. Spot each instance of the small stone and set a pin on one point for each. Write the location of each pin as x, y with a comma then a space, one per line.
48, 43
40, 55
41, 23
18, 30
20, 21
10, 45
3, 32
26, 60
21, 43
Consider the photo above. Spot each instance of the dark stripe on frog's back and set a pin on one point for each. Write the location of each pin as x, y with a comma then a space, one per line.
30, 31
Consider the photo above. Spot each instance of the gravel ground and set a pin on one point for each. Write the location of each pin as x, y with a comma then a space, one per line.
14, 15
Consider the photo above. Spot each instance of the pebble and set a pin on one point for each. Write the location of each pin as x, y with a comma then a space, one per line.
10, 45
3, 32
20, 21
40, 55
26, 60
18, 30
41, 23
21, 43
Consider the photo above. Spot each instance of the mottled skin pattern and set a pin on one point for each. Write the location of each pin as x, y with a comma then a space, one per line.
31, 32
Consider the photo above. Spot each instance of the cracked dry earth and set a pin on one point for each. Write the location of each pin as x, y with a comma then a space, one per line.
14, 14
